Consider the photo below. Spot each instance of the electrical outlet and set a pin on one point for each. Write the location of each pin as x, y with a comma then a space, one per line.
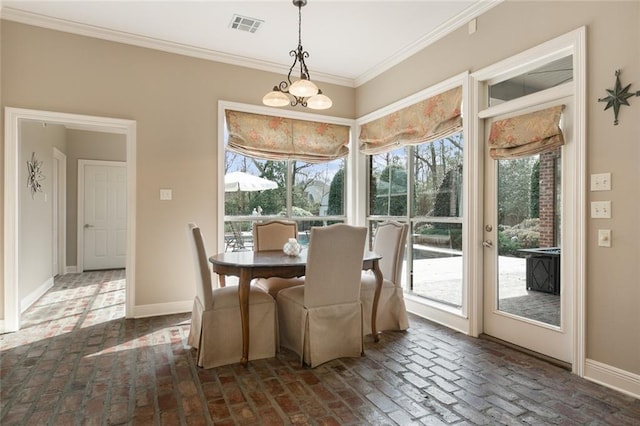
601, 209
601, 182
604, 237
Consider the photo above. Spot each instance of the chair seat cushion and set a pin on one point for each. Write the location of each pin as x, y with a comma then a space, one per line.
275, 284
227, 297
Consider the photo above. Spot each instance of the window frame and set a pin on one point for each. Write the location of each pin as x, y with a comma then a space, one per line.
453, 317
349, 205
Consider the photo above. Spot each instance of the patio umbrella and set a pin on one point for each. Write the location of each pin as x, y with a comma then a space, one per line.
241, 181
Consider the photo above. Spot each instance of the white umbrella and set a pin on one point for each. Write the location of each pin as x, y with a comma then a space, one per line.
241, 181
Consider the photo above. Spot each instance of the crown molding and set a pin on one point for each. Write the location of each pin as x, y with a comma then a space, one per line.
29, 18
63, 25
446, 28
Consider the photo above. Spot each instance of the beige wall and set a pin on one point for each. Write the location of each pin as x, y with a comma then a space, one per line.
36, 212
613, 41
174, 101
85, 145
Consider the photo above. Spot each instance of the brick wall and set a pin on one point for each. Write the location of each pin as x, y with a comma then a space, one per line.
547, 197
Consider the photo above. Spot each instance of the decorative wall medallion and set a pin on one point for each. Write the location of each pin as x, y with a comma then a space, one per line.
617, 96
34, 175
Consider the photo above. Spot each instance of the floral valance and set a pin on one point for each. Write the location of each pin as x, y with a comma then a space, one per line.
526, 134
278, 138
425, 121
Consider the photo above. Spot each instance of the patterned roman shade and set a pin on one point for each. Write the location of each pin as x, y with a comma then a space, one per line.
526, 134
278, 138
425, 121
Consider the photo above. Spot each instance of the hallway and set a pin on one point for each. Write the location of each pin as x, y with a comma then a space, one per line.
78, 361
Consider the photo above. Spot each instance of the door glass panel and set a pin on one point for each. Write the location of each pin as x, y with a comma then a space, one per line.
529, 252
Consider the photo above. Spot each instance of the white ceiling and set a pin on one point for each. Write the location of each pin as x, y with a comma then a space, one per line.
349, 42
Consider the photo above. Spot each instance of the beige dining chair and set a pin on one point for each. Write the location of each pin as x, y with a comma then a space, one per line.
389, 242
272, 235
322, 319
216, 330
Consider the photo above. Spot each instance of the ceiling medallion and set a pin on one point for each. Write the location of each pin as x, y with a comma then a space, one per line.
617, 97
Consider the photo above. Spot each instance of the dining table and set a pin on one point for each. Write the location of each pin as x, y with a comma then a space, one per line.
247, 265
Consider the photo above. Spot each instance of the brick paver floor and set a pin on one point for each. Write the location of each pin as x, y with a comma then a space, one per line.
77, 361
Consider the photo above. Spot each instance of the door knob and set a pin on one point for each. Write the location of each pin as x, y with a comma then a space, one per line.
487, 243
86, 225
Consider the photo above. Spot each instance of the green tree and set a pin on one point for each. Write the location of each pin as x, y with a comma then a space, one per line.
514, 178
534, 206
391, 194
336, 194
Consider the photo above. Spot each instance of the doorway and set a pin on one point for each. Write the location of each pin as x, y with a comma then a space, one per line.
13, 119
560, 65
526, 301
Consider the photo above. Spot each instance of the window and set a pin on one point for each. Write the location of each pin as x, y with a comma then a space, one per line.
311, 192
422, 185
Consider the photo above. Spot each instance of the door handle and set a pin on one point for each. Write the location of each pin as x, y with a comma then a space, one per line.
487, 244
86, 225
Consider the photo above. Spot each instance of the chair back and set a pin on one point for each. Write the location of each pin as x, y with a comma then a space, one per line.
334, 264
273, 234
204, 291
390, 242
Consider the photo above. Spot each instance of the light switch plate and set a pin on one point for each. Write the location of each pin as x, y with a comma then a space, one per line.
601, 182
604, 237
601, 209
165, 194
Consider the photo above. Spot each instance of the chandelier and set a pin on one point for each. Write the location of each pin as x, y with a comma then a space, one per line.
303, 91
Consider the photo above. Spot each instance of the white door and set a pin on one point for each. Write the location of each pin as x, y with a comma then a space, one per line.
527, 300
105, 215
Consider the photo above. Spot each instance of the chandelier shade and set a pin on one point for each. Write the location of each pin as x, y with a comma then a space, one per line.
302, 91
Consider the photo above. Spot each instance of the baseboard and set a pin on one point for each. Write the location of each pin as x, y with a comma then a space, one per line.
440, 314
70, 269
36, 294
612, 377
156, 309
2, 327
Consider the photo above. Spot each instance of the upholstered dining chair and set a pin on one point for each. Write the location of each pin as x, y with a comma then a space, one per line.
272, 235
216, 330
322, 319
389, 242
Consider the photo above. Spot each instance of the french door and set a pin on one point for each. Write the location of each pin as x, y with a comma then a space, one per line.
528, 202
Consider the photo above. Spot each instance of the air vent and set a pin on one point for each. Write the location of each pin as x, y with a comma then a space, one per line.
244, 23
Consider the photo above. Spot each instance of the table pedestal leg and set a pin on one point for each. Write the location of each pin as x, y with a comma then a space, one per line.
243, 294
376, 300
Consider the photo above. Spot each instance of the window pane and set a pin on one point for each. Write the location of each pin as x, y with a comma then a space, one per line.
238, 235
388, 183
545, 77
438, 177
318, 189
254, 201
436, 251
